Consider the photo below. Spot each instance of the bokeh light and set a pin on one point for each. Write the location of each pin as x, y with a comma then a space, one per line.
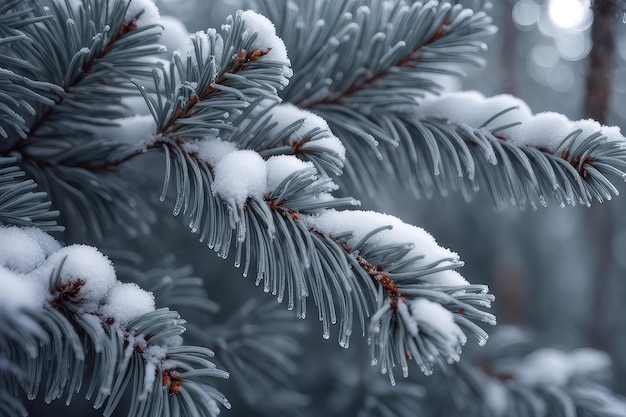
526, 13
569, 14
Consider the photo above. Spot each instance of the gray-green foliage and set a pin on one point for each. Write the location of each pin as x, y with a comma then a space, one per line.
68, 68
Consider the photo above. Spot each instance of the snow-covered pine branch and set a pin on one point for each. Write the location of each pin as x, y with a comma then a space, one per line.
233, 196
496, 143
63, 310
511, 379
82, 55
356, 62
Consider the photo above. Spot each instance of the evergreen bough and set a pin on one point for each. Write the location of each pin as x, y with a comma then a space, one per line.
254, 143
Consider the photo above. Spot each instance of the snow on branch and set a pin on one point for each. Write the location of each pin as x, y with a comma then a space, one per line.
518, 156
82, 55
367, 56
279, 212
513, 381
425, 300
68, 299
220, 75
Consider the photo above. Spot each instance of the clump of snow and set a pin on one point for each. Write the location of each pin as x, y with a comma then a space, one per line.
175, 34
473, 109
85, 263
266, 38
17, 292
361, 223
280, 167
550, 366
210, 150
125, 302
286, 114
545, 131
47, 243
18, 251
149, 12
239, 176
426, 312
590, 126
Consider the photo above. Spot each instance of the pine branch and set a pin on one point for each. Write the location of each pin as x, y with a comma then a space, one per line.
367, 64
80, 317
86, 54
258, 345
542, 382
172, 286
496, 143
269, 209
19, 203
366, 394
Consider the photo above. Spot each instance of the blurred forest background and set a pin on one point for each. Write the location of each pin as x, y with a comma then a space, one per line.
558, 272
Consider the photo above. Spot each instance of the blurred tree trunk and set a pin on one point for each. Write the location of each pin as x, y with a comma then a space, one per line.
600, 220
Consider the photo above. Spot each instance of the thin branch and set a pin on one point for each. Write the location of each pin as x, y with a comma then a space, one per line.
359, 85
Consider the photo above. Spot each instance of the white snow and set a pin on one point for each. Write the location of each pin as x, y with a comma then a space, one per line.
18, 251
473, 109
496, 397
150, 13
84, 263
286, 114
138, 130
47, 243
551, 366
360, 223
266, 39
17, 292
175, 34
280, 167
210, 150
544, 130
239, 176
126, 302
438, 317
